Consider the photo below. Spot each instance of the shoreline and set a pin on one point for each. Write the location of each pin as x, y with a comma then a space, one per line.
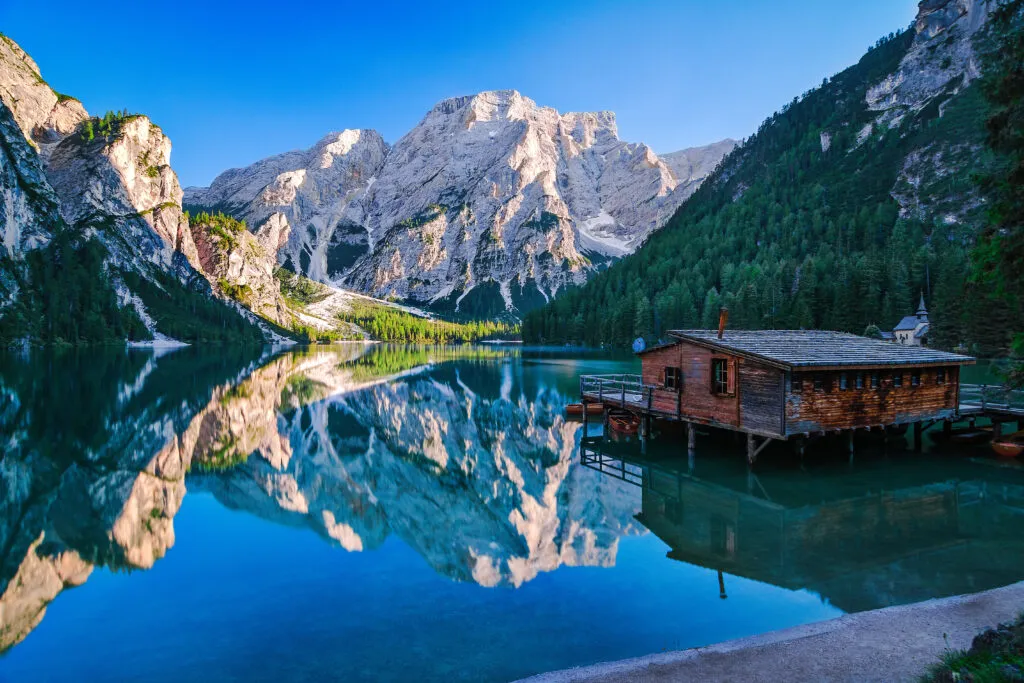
889, 644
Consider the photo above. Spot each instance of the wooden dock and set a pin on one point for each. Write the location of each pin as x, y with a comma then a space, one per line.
630, 393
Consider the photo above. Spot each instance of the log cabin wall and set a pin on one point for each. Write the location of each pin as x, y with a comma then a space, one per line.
816, 408
762, 397
695, 400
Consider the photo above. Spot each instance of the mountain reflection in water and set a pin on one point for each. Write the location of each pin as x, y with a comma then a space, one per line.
463, 458
356, 442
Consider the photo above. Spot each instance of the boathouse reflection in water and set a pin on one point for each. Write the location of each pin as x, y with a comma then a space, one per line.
933, 532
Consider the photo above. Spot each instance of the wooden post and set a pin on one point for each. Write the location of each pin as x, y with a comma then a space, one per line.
997, 429
798, 444
849, 444
691, 436
721, 586
917, 436
584, 417
751, 449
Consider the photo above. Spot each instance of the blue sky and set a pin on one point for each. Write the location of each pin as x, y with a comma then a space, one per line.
231, 83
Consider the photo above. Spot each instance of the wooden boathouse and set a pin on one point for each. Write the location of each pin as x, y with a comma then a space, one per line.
785, 384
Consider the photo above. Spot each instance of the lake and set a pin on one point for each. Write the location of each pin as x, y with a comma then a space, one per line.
420, 513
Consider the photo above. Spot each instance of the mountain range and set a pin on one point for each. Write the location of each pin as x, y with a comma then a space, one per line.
490, 204
837, 213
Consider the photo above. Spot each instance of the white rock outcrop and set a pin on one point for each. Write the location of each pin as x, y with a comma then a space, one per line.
490, 192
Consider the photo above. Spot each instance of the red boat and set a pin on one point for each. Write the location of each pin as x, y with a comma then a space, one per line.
624, 422
1009, 446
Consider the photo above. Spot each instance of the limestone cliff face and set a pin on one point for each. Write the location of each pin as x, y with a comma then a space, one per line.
124, 185
941, 64
43, 115
489, 194
110, 179
316, 192
243, 264
29, 209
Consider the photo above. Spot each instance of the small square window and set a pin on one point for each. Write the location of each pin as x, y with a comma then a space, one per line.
796, 385
874, 380
819, 383
673, 378
721, 378
860, 380
897, 379
915, 378
940, 376
842, 381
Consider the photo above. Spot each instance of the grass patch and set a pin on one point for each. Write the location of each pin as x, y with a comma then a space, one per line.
995, 655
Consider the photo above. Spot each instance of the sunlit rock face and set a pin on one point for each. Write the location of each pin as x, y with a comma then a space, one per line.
482, 486
490, 194
941, 64
115, 187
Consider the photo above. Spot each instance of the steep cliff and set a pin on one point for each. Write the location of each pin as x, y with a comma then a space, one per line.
116, 258
490, 204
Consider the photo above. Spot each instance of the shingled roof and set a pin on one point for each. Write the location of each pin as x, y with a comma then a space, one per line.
818, 348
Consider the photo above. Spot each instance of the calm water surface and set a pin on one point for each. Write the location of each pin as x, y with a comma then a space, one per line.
396, 513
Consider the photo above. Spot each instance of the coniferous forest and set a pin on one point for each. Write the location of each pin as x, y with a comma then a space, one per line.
799, 227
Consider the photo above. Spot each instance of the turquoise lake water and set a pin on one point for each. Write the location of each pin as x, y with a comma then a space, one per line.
415, 513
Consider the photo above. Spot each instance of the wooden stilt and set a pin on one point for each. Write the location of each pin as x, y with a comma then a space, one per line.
721, 586
691, 436
849, 444
997, 429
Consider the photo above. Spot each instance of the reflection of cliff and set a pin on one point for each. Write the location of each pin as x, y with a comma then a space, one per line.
96, 448
930, 533
460, 463
92, 471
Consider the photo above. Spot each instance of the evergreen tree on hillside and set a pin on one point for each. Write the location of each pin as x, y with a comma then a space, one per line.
999, 258
791, 232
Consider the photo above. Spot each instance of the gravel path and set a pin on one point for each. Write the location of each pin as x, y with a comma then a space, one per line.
892, 644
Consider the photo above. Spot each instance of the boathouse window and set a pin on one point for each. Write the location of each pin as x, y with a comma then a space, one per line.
819, 383
874, 380
842, 381
796, 385
897, 379
721, 378
860, 380
915, 378
940, 376
674, 378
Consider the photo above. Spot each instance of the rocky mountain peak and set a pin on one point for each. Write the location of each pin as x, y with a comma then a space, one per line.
490, 194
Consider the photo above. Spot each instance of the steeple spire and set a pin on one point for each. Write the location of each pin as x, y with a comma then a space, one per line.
922, 312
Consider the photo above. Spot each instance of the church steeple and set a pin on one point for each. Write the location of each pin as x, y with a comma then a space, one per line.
922, 312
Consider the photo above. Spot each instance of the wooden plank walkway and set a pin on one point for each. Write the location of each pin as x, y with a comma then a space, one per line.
993, 401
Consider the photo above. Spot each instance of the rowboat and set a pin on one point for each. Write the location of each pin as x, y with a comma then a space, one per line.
577, 408
1009, 446
624, 422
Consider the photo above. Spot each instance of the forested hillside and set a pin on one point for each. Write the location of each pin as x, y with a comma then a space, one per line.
836, 214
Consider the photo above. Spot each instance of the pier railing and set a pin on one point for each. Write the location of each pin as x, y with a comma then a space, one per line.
625, 389
994, 397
